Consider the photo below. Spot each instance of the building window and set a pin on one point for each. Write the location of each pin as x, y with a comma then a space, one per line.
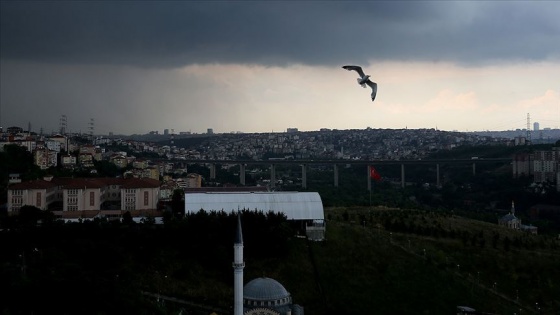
17, 201
146, 198
130, 202
38, 200
92, 198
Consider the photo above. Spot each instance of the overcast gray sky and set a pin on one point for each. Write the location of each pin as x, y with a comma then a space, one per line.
259, 66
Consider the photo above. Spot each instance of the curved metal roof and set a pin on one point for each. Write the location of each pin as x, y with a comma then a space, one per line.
264, 289
295, 205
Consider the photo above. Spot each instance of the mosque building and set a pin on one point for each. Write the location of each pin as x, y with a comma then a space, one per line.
260, 296
510, 220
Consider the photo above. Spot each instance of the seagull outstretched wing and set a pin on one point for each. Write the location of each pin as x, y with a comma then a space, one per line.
373, 87
355, 68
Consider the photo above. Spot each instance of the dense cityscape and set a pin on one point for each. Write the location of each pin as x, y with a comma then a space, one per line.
165, 157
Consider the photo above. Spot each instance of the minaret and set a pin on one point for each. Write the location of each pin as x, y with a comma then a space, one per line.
238, 265
512, 208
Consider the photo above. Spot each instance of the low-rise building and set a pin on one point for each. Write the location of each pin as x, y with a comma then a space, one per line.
85, 194
119, 160
85, 160
68, 161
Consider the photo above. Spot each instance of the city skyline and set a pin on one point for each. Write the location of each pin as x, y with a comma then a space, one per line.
133, 67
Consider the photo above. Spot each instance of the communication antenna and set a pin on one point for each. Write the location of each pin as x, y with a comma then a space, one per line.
63, 123
91, 127
528, 128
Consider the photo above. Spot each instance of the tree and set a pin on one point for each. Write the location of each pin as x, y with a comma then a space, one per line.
106, 169
127, 218
177, 203
29, 215
16, 159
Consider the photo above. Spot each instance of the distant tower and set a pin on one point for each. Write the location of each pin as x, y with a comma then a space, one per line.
536, 126
512, 208
172, 137
238, 265
91, 127
63, 123
528, 127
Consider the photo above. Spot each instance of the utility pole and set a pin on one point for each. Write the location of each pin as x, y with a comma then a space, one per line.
528, 129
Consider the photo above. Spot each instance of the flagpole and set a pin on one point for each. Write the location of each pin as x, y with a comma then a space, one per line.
369, 184
370, 195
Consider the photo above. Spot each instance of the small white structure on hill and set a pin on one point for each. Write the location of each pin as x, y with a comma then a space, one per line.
306, 207
510, 220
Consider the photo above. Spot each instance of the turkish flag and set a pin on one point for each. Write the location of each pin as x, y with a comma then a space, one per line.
374, 174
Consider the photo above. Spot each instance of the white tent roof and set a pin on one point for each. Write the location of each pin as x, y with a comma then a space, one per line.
296, 205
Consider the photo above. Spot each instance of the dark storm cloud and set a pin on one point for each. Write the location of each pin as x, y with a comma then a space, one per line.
175, 33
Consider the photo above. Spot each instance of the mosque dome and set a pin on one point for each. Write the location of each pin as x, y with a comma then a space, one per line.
265, 289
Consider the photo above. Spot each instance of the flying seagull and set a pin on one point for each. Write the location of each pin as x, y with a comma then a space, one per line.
363, 80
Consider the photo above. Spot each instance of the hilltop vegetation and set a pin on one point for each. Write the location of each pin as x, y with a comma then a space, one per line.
386, 261
429, 262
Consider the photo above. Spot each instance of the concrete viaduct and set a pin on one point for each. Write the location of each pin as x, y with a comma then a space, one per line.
335, 164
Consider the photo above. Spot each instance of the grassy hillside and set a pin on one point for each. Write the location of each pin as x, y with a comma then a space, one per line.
415, 267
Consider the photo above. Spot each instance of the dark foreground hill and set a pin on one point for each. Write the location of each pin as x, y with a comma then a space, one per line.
374, 261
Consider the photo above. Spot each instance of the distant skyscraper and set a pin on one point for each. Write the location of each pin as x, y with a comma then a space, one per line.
536, 126
210, 131
165, 132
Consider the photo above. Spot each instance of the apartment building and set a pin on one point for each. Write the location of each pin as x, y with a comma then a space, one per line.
546, 165
522, 164
151, 172
86, 160
68, 161
119, 160
45, 158
62, 140
543, 165
192, 180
